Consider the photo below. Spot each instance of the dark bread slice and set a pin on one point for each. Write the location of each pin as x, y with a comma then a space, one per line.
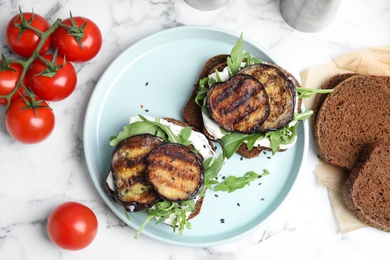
356, 113
192, 113
367, 191
329, 84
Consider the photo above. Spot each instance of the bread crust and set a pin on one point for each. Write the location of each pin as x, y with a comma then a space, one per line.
331, 83
192, 113
356, 113
367, 191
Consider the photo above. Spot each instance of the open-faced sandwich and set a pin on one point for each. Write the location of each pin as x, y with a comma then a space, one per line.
161, 166
245, 104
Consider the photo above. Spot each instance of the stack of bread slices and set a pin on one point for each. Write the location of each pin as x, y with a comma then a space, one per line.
351, 128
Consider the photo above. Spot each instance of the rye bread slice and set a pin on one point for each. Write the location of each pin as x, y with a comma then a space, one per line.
329, 84
367, 191
192, 113
356, 113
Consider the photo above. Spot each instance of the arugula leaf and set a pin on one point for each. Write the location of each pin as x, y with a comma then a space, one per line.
172, 138
202, 91
163, 210
184, 135
232, 140
212, 168
134, 129
236, 56
154, 128
233, 183
303, 115
307, 92
251, 60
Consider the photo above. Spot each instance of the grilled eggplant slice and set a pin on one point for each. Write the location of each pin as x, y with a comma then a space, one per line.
175, 171
281, 94
128, 166
239, 104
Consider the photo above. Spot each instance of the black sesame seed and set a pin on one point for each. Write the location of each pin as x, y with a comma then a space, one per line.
216, 195
238, 204
147, 83
146, 110
222, 220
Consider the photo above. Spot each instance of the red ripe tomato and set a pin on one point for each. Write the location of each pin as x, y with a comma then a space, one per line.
52, 87
27, 124
68, 45
25, 41
9, 76
72, 226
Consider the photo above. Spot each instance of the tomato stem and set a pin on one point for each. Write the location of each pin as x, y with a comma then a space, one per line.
26, 64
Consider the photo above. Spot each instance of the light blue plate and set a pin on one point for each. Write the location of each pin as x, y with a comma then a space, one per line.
155, 76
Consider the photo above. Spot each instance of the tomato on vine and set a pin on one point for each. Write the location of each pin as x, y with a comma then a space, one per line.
10, 73
21, 37
29, 120
52, 77
78, 39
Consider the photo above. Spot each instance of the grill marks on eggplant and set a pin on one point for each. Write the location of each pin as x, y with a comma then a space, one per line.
281, 94
145, 170
128, 165
239, 104
175, 171
258, 99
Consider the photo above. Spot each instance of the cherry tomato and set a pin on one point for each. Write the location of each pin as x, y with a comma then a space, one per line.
72, 226
9, 76
68, 45
29, 125
25, 41
52, 87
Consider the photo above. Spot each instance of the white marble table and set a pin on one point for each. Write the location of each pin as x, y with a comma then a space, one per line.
36, 178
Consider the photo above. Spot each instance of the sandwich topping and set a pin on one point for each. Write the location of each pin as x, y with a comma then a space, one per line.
239, 104
175, 171
163, 168
249, 101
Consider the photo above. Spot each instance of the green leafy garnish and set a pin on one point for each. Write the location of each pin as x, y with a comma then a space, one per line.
232, 140
202, 91
307, 92
212, 168
154, 128
163, 210
236, 56
233, 183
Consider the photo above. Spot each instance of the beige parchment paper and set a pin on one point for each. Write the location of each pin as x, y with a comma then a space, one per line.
371, 61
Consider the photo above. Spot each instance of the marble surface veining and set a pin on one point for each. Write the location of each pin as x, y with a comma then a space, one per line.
36, 178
